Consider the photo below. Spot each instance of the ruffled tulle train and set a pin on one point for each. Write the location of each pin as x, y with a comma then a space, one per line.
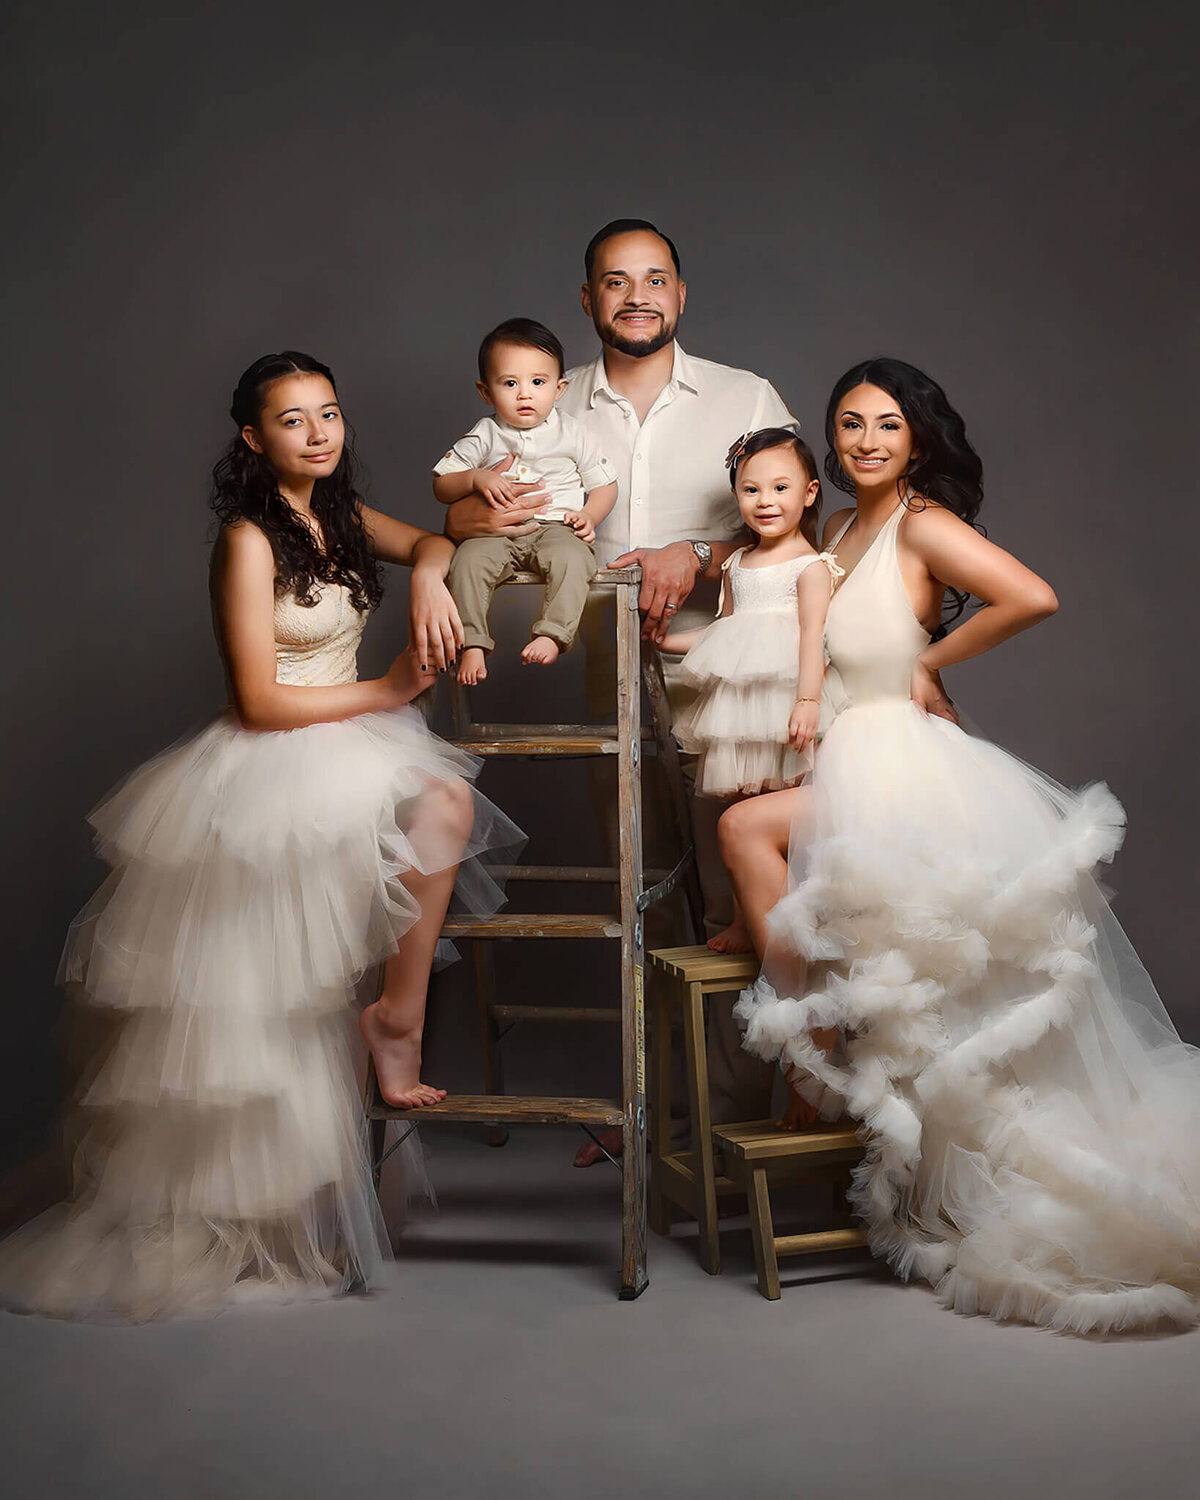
1031, 1117
255, 878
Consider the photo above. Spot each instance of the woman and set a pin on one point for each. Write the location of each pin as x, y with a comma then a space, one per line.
1031, 1111
258, 869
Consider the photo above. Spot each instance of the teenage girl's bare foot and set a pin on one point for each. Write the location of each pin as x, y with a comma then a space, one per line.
613, 1140
397, 1057
732, 939
540, 652
472, 666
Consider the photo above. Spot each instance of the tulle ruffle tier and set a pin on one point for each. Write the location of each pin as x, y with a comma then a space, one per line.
744, 669
1031, 1115
256, 877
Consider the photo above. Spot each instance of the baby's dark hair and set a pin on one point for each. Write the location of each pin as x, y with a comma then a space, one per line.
624, 226
522, 331
751, 443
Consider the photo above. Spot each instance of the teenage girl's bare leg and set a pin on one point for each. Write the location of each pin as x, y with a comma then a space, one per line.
393, 1025
754, 837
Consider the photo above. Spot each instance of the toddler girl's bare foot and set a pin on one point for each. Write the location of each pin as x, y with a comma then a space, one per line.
397, 1058
733, 939
540, 652
472, 666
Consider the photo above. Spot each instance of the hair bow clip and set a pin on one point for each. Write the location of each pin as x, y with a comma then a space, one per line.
737, 448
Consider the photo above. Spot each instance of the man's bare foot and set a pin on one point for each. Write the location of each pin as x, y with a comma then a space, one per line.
472, 666
732, 939
541, 652
613, 1141
397, 1058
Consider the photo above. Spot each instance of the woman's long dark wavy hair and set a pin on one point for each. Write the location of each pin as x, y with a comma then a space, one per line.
246, 488
946, 467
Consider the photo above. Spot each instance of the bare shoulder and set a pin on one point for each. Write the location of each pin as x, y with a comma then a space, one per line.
835, 523
929, 523
241, 548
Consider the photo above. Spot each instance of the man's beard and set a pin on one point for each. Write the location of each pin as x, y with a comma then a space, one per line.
636, 348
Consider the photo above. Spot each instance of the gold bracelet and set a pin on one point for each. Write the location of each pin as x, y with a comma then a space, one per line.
808, 700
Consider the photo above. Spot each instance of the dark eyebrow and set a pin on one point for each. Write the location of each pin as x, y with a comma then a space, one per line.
883, 417
288, 410
650, 271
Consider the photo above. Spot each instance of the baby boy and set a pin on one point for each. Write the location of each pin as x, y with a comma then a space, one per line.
521, 376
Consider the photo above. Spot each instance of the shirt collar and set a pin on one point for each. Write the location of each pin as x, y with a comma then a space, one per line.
683, 377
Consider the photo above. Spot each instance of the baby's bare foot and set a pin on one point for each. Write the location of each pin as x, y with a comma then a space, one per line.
397, 1058
733, 939
472, 666
540, 652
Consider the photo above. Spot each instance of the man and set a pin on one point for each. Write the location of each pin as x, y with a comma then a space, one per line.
665, 421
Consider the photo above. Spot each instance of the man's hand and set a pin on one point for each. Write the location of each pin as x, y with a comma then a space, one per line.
929, 695
668, 576
476, 515
579, 523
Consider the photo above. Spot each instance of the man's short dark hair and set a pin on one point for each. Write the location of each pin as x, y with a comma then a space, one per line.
522, 331
624, 226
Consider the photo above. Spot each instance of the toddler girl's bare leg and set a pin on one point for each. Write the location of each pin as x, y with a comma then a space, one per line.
393, 1025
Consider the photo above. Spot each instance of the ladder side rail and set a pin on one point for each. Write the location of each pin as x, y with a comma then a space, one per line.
633, 1031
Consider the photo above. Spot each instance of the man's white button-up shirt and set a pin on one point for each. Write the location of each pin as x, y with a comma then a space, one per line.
672, 483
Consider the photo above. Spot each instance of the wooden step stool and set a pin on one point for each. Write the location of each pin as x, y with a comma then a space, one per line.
749, 1151
688, 1180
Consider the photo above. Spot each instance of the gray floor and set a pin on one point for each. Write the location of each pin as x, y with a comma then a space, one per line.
501, 1363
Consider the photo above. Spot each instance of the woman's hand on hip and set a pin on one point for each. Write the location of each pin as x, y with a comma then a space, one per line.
929, 695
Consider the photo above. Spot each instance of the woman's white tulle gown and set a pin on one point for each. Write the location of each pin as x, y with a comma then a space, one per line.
1032, 1117
254, 878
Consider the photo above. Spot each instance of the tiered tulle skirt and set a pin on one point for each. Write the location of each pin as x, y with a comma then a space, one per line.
744, 669
255, 877
1032, 1118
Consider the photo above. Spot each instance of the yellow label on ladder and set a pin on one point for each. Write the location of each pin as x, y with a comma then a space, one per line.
639, 1026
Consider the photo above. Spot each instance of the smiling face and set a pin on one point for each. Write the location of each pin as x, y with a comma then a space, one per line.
300, 431
774, 490
523, 384
635, 296
873, 441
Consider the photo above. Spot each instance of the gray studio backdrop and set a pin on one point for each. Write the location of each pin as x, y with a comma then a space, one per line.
998, 193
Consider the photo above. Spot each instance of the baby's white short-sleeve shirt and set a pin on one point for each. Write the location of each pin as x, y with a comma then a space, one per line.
559, 451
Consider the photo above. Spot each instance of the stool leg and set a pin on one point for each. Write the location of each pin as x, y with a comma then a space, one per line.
660, 1098
762, 1230
702, 1146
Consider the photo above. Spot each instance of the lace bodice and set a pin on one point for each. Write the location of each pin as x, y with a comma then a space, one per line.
773, 588
318, 647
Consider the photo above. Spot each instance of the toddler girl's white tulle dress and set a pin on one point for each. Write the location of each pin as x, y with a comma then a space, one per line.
744, 668
1032, 1118
254, 877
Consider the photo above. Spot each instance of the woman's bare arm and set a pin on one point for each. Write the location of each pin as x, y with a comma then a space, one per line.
434, 628
242, 587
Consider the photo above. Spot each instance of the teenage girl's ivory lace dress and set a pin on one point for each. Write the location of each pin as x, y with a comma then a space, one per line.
1032, 1117
745, 666
254, 877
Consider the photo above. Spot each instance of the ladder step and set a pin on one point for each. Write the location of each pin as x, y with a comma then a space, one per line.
504, 1109
556, 1012
521, 924
536, 739
602, 575
570, 874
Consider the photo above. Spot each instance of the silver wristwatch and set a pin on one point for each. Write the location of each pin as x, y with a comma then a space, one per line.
703, 551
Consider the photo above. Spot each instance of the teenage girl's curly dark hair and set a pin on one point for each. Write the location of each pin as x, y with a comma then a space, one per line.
945, 466
245, 488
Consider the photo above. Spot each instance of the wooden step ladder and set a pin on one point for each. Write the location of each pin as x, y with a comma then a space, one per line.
625, 740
